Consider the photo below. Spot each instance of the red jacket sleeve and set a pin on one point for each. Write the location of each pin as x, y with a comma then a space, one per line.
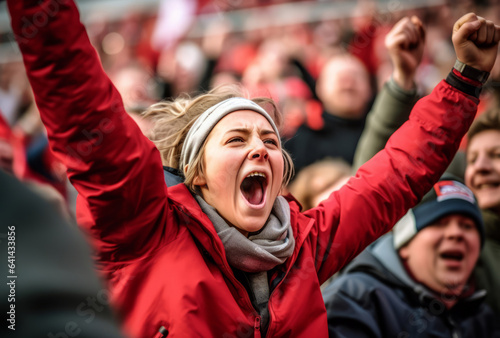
393, 181
115, 169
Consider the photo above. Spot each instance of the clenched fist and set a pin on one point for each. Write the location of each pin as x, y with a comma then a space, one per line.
475, 40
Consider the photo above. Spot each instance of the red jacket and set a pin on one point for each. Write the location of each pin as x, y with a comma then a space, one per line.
165, 264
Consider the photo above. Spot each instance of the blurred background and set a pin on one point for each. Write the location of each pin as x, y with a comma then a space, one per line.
156, 49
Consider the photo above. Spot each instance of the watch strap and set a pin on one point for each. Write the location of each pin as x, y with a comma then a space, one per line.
471, 72
460, 84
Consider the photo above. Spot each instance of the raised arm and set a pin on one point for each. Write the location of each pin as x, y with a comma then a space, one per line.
392, 106
413, 160
116, 170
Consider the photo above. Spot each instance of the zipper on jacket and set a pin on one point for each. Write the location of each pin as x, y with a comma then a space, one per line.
455, 333
256, 327
280, 277
162, 333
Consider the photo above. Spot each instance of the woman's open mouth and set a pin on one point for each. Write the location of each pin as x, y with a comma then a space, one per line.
253, 188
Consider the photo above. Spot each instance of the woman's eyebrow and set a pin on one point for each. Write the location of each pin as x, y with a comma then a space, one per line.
247, 131
238, 130
267, 132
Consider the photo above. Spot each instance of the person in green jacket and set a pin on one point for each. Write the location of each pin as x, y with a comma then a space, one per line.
392, 106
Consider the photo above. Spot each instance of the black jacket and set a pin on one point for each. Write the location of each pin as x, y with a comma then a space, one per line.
337, 138
375, 297
49, 287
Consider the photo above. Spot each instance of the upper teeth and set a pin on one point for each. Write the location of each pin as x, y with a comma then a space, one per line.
488, 185
255, 173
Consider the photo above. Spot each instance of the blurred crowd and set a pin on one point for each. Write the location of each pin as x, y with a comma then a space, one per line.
156, 56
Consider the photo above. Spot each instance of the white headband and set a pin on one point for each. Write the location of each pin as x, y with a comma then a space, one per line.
207, 121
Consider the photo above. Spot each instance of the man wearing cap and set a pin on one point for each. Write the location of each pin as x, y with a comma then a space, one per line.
417, 281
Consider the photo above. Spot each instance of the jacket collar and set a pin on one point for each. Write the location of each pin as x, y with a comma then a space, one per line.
386, 254
197, 222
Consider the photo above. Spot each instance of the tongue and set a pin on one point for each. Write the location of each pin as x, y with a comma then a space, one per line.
252, 190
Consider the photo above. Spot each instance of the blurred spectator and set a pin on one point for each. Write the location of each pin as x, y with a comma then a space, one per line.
15, 93
227, 55
482, 176
6, 148
34, 164
367, 30
54, 290
298, 106
24, 152
405, 45
138, 89
182, 69
175, 17
136, 85
318, 180
272, 74
268, 68
344, 90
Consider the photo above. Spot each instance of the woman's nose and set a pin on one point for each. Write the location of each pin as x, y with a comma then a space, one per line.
259, 151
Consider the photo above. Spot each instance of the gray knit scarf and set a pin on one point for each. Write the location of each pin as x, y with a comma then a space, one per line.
261, 251
258, 253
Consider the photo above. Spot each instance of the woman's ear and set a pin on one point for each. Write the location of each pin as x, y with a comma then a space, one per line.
199, 180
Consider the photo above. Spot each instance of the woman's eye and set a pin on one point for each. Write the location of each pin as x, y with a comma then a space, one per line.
235, 139
271, 141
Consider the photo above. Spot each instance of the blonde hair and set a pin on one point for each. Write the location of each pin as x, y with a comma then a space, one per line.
173, 119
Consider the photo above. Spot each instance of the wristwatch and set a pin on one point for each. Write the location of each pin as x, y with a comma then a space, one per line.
471, 72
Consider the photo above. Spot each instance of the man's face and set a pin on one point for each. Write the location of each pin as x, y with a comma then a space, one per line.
443, 254
344, 87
